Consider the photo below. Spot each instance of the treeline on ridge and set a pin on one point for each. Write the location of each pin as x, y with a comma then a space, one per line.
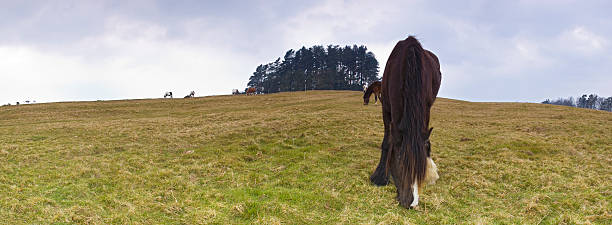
591, 101
317, 68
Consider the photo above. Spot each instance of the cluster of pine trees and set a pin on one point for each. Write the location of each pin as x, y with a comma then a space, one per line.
591, 101
317, 68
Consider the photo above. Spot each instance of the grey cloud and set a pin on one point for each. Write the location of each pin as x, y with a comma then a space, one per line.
489, 50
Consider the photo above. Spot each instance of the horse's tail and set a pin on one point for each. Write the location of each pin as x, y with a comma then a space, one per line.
411, 126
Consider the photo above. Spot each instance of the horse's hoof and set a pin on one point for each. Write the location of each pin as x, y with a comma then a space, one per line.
379, 180
406, 203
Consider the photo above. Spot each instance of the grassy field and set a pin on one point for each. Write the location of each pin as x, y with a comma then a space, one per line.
293, 158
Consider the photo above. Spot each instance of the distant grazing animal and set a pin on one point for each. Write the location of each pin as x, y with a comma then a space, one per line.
235, 92
168, 94
191, 95
409, 88
250, 91
375, 88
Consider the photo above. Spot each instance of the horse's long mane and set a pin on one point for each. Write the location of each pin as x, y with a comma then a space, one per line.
412, 126
370, 89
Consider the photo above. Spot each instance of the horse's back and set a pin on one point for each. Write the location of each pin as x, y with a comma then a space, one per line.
432, 65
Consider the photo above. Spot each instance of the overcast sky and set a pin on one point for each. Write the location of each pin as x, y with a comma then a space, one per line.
489, 50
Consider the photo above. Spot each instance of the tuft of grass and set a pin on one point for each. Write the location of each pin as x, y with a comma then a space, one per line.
302, 157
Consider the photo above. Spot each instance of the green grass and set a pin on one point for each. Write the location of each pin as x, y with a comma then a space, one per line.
302, 157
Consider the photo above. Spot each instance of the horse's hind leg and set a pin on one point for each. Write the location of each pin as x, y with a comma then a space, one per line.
380, 177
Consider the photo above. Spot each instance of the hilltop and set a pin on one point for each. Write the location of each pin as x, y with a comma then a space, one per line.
299, 157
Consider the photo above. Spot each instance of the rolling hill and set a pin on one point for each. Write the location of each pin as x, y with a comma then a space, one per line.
301, 157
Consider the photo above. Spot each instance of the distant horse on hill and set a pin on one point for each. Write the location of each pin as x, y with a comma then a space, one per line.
190, 95
251, 91
168, 94
375, 88
235, 92
409, 88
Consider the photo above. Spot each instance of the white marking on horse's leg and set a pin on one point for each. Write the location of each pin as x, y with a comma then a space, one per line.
415, 194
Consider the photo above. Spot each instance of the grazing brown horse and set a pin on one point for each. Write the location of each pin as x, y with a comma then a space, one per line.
375, 87
409, 88
250, 91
